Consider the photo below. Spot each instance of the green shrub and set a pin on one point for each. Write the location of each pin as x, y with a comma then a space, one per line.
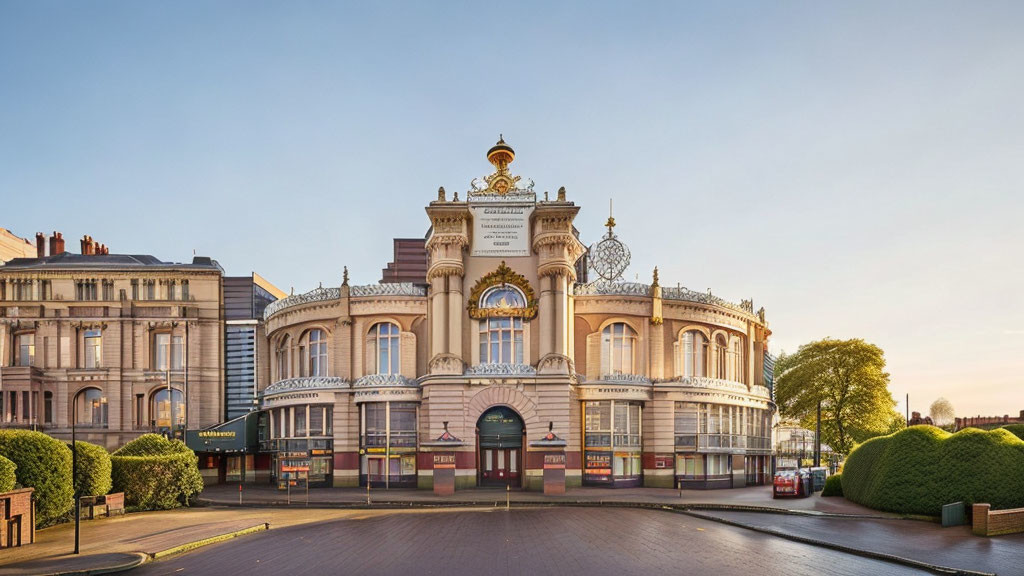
7, 477
43, 463
921, 468
833, 486
1015, 429
93, 478
156, 473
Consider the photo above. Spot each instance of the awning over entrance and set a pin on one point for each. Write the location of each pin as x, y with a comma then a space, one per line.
238, 436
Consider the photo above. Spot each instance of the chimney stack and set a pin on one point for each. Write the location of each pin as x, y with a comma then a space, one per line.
56, 244
88, 246
40, 245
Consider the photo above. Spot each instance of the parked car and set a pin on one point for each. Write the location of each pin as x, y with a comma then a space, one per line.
795, 483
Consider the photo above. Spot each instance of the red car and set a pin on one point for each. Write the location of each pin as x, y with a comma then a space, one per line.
796, 483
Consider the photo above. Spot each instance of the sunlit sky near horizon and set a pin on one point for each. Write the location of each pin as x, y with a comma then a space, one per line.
854, 168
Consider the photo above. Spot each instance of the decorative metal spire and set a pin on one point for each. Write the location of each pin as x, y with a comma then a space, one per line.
609, 258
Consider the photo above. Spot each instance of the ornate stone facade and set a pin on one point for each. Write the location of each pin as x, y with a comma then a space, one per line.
504, 337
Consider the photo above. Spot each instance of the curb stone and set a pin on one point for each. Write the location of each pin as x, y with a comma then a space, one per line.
143, 557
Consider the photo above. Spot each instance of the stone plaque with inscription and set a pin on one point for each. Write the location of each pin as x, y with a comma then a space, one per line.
501, 229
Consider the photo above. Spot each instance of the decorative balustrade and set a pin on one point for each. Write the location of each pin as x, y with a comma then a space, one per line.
308, 383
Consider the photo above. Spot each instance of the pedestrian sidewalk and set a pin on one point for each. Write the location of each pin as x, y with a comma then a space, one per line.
925, 542
746, 498
121, 542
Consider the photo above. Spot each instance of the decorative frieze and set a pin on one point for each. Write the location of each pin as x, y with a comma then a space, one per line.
375, 380
501, 370
307, 383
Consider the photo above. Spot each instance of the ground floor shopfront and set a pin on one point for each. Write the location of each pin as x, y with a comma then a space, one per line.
387, 437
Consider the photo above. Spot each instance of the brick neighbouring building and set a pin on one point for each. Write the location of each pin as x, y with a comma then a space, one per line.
989, 421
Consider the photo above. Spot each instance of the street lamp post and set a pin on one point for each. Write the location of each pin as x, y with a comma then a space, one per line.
74, 482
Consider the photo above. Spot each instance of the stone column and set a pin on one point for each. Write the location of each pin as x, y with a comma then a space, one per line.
455, 312
439, 316
558, 326
547, 341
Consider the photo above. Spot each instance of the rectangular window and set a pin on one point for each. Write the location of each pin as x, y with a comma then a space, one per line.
300, 420
26, 407
108, 290
150, 290
375, 424
26, 349
177, 353
184, 290
316, 421
162, 346
48, 407
403, 425
135, 289
92, 348
171, 290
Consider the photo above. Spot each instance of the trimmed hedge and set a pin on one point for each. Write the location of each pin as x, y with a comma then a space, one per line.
7, 477
43, 463
833, 486
156, 473
921, 468
1015, 429
93, 476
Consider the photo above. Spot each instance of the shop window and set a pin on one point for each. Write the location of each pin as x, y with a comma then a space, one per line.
403, 425
612, 433
690, 466
26, 349
618, 342
91, 408
375, 424
385, 345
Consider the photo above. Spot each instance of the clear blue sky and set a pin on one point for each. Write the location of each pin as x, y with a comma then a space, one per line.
855, 168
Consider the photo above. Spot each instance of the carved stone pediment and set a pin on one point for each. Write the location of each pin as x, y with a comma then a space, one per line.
555, 364
446, 364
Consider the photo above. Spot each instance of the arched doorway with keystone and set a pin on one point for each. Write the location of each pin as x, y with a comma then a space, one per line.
499, 445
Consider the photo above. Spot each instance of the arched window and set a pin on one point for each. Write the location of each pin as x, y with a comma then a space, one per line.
385, 339
91, 408
618, 342
282, 359
167, 407
501, 337
504, 296
317, 353
692, 351
721, 357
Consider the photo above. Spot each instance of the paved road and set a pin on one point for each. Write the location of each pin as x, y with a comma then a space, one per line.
565, 541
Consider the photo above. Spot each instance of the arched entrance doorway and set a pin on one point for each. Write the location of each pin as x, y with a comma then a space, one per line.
499, 441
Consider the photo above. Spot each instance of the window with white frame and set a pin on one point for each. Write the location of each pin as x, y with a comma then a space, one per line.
93, 348
317, 352
385, 346
26, 349
692, 351
501, 336
618, 343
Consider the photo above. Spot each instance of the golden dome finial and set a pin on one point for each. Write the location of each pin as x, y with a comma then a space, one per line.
501, 154
611, 220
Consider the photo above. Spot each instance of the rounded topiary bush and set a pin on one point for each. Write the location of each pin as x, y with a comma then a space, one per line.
156, 473
43, 463
93, 478
1016, 429
922, 468
833, 486
8, 480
